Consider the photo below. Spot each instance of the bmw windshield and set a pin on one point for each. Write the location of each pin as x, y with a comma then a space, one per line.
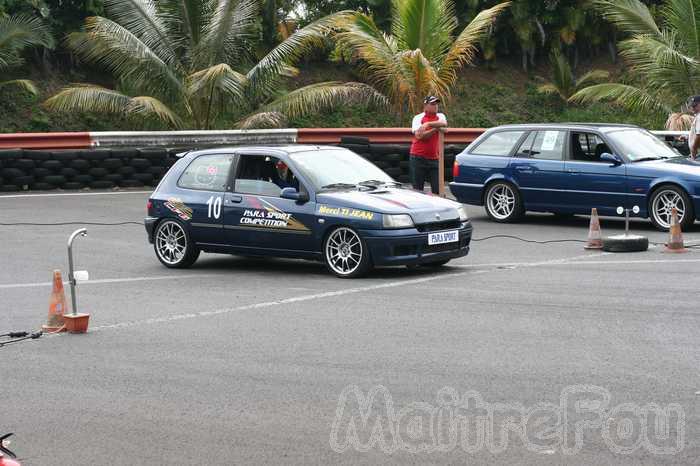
639, 145
338, 169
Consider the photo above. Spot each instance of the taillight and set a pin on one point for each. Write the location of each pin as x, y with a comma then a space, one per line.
455, 170
149, 204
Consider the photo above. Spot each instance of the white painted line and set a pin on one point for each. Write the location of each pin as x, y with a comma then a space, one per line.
629, 262
112, 280
14, 196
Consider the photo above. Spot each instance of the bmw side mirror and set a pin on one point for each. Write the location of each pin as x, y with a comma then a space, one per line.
611, 158
293, 194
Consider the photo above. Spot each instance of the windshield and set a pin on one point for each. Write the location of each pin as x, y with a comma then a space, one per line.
638, 144
337, 167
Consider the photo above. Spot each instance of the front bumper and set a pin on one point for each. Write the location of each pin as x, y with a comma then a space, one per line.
150, 224
410, 246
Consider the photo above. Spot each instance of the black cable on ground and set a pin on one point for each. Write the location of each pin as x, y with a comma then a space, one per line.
32, 336
14, 334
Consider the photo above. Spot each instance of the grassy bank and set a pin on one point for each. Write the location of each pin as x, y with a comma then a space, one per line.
484, 97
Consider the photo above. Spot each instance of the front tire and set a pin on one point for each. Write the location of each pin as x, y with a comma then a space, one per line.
346, 254
503, 202
663, 200
173, 245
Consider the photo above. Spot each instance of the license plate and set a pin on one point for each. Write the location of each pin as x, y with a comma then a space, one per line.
443, 237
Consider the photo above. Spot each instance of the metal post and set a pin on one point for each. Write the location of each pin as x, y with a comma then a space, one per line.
441, 162
627, 222
71, 275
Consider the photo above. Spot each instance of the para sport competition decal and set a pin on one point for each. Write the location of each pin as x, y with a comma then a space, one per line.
177, 206
345, 212
264, 215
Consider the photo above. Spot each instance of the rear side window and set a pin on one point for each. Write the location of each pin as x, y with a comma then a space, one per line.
207, 172
498, 144
548, 145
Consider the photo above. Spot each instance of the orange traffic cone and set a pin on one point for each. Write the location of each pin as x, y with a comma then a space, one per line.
595, 238
675, 241
57, 305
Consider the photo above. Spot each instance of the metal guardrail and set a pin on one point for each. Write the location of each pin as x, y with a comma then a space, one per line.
192, 138
45, 141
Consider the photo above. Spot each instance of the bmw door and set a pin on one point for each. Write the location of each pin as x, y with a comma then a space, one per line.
592, 182
538, 169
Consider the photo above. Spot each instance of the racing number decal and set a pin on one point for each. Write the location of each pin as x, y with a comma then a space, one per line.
214, 207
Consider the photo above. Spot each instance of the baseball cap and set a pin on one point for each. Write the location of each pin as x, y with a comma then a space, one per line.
694, 100
431, 99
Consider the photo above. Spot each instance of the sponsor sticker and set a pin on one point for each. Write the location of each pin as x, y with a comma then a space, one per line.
176, 205
270, 216
345, 212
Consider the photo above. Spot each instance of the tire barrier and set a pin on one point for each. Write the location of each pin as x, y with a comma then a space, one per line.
103, 168
40, 170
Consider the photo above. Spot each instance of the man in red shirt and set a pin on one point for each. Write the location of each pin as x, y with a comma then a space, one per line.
424, 156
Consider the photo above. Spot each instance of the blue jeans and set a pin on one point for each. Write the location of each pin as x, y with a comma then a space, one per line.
421, 168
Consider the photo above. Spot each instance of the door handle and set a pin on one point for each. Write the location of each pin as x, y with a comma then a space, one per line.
572, 171
234, 199
524, 168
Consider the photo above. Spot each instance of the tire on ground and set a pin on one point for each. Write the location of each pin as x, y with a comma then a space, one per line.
73, 185
64, 155
145, 178
84, 179
24, 180
53, 165
102, 184
37, 155
80, 164
111, 164
42, 186
98, 172
8, 188
623, 243
140, 164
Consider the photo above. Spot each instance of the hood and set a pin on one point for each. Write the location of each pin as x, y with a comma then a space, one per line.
681, 167
422, 207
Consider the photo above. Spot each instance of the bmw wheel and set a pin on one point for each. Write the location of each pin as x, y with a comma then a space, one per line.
345, 253
173, 245
662, 203
503, 203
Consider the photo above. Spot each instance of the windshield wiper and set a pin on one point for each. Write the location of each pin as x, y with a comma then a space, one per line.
647, 159
377, 183
338, 186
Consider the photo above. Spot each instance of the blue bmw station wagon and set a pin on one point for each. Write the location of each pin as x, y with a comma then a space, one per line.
571, 168
309, 202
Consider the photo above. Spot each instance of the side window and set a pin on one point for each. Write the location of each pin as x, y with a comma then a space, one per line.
207, 172
526, 147
498, 144
263, 175
587, 147
548, 145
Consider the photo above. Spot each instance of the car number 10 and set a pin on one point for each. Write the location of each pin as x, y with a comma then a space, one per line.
214, 205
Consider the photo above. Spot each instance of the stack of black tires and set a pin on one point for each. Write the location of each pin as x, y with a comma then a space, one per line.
78, 169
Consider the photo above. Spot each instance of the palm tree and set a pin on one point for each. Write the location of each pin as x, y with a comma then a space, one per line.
564, 84
17, 33
190, 62
665, 58
422, 55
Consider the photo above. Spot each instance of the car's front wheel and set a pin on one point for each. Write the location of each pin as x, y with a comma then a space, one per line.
173, 245
345, 253
661, 206
503, 202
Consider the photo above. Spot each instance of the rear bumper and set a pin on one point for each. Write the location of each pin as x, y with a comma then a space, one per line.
410, 247
150, 224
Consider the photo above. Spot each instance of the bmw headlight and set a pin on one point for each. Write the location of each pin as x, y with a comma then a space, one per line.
462, 211
397, 221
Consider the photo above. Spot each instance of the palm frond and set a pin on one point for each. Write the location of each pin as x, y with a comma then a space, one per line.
630, 97
262, 120
141, 18
683, 16
549, 89
678, 122
424, 79
150, 107
114, 47
264, 75
592, 77
378, 53
227, 29
24, 84
88, 98
220, 78
424, 25
465, 46
631, 16
19, 32
321, 96
183, 21
562, 76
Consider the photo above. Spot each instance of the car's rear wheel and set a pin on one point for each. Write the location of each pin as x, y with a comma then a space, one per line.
173, 245
345, 253
503, 202
662, 203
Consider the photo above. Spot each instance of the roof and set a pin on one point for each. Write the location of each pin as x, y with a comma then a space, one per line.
590, 126
272, 150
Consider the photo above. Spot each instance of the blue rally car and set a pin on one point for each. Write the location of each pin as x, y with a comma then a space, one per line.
570, 168
309, 202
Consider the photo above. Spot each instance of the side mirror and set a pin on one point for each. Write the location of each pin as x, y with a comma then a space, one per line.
611, 158
293, 194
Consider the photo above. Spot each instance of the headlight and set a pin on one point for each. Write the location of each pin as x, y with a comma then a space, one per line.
462, 211
397, 221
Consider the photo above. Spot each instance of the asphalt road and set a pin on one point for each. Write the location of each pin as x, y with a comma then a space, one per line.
245, 361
